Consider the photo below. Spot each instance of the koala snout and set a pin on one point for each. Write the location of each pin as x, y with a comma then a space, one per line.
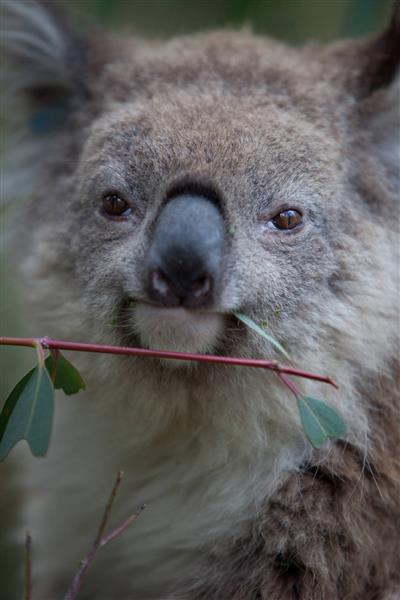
185, 256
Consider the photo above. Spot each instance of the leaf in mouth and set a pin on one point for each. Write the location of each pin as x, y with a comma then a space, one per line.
252, 325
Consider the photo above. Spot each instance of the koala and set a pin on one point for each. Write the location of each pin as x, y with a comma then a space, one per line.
167, 186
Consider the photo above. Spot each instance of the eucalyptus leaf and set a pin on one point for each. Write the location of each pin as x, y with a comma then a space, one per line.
252, 325
319, 421
28, 413
11, 401
64, 375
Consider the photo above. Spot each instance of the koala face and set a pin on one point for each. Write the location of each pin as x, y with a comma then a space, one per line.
271, 179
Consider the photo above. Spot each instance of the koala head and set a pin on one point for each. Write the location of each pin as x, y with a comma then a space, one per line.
174, 184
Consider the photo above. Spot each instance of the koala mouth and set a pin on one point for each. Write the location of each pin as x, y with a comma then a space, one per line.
176, 329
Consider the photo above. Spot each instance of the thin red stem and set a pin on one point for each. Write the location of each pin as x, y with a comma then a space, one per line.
289, 384
207, 358
28, 566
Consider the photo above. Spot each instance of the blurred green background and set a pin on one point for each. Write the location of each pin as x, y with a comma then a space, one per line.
293, 20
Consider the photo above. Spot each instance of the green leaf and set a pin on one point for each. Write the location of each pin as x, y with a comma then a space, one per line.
250, 323
11, 402
64, 375
277, 311
28, 413
319, 421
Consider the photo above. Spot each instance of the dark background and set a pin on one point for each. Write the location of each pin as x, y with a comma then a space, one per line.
296, 21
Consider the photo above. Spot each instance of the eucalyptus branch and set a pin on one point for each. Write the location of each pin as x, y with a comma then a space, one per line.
101, 539
28, 411
130, 351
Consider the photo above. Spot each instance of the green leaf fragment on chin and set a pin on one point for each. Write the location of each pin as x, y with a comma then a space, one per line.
252, 325
64, 375
320, 421
28, 414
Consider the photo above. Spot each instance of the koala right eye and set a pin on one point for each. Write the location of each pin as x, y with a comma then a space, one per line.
115, 206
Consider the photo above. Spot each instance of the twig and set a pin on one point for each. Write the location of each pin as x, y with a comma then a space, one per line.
40, 352
289, 384
207, 358
56, 356
101, 540
121, 528
28, 566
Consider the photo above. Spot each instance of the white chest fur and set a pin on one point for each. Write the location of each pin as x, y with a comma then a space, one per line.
201, 484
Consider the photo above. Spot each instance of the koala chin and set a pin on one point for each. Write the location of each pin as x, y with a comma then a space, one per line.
177, 329
168, 186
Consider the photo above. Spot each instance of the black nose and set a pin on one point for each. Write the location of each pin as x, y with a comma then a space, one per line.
184, 261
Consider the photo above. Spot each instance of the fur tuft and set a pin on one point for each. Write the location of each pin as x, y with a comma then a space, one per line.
42, 84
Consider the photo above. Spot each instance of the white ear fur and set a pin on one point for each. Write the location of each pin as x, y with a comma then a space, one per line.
29, 29
40, 84
35, 47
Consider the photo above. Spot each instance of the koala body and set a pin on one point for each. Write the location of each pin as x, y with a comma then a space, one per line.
246, 134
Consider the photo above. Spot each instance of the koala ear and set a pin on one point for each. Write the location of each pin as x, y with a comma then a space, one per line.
377, 91
44, 74
381, 59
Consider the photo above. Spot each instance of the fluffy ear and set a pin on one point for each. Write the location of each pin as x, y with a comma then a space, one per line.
46, 75
381, 60
377, 90
44, 64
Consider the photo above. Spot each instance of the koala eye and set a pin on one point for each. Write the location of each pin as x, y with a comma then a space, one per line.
287, 219
115, 206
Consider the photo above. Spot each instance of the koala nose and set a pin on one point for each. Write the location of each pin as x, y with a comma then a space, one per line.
184, 260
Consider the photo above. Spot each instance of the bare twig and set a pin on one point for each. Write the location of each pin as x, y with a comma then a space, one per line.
28, 566
108, 509
207, 358
101, 540
289, 384
121, 528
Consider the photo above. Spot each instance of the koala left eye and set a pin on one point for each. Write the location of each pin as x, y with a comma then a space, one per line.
286, 219
115, 206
